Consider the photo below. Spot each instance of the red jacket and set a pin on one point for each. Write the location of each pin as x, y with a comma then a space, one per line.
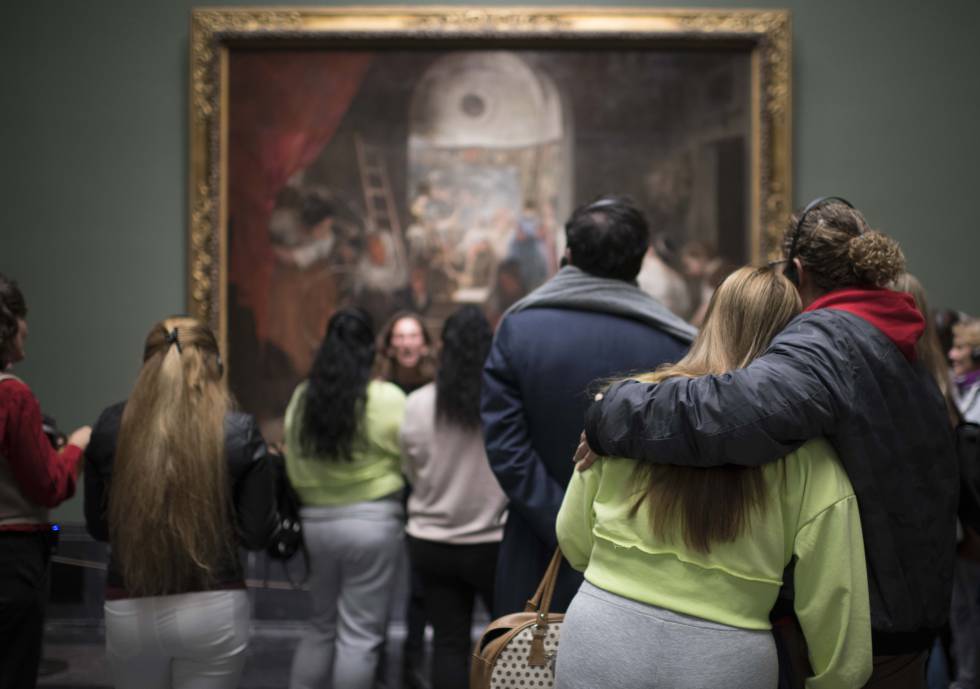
39, 473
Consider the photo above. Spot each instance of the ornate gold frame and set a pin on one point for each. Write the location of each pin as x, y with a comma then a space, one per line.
214, 31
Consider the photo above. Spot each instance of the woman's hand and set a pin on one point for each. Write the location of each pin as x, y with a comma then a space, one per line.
80, 437
584, 456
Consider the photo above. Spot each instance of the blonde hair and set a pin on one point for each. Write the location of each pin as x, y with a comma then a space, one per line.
839, 249
745, 313
169, 509
928, 348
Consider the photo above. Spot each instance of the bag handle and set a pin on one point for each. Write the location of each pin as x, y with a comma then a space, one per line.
540, 603
541, 600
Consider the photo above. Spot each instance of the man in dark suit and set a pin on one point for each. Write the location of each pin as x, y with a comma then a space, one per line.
552, 350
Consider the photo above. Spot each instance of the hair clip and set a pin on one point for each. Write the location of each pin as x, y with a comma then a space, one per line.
172, 340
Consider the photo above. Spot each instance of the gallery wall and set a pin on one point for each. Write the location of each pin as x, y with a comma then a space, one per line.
94, 175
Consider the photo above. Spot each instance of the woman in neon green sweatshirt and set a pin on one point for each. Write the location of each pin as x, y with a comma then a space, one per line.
342, 457
683, 565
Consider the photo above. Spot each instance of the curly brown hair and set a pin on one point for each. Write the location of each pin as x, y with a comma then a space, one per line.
839, 249
12, 308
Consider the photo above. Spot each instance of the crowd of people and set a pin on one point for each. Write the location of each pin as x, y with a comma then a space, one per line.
769, 501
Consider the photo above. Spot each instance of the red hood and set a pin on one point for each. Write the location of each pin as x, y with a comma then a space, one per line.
893, 313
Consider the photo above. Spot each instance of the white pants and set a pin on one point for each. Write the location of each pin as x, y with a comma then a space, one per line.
354, 555
186, 641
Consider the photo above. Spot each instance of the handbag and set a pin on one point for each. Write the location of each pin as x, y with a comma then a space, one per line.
518, 650
287, 539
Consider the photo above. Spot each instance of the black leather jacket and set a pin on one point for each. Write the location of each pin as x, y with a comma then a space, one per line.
829, 373
250, 470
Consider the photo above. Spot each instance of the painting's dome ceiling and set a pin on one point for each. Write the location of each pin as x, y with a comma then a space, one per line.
490, 99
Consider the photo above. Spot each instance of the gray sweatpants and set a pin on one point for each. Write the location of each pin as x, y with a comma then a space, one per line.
611, 641
354, 553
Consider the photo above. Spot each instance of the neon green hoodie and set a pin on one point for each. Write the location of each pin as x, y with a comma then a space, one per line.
374, 469
810, 513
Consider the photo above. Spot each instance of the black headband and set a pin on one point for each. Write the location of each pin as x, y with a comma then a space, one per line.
172, 340
813, 205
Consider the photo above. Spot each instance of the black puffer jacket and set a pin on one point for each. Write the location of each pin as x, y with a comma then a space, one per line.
829, 373
251, 473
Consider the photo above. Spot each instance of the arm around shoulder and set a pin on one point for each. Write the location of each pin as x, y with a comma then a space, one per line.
749, 416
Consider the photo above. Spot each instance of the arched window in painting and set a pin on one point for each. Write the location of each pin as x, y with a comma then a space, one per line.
489, 178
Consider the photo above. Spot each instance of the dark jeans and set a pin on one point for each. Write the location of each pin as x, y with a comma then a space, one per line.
452, 576
413, 651
890, 672
899, 672
23, 597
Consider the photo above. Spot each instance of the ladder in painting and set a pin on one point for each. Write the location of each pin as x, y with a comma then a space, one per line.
378, 199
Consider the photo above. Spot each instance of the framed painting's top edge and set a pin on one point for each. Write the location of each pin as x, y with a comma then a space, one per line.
519, 17
496, 9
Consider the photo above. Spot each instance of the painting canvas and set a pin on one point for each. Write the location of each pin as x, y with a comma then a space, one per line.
422, 176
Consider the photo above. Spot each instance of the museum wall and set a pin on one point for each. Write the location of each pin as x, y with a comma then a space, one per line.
94, 178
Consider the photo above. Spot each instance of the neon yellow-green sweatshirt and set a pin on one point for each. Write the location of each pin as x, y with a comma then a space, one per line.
811, 512
374, 470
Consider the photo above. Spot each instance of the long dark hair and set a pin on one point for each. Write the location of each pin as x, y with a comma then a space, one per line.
466, 338
337, 386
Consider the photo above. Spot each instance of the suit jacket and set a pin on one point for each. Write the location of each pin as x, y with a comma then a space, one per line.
543, 369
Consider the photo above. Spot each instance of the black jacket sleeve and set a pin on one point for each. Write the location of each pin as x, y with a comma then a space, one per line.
253, 481
751, 416
99, 458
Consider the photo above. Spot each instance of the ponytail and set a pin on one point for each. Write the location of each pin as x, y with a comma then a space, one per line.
877, 260
169, 507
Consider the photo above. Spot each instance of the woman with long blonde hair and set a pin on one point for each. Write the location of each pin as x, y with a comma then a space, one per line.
848, 369
683, 565
176, 481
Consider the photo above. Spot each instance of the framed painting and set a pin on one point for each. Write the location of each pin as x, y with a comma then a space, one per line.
421, 158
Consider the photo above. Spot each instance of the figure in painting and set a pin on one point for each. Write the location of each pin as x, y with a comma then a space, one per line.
527, 247
305, 244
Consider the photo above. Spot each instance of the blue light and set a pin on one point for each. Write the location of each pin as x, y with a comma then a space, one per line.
55, 527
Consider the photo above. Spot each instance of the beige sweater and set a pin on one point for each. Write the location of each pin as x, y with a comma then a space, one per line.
455, 497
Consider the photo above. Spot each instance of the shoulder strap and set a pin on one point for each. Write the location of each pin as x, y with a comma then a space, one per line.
540, 602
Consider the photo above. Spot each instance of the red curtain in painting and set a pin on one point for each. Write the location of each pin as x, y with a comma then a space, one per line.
284, 107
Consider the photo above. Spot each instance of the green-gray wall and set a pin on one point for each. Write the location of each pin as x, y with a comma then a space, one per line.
93, 125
